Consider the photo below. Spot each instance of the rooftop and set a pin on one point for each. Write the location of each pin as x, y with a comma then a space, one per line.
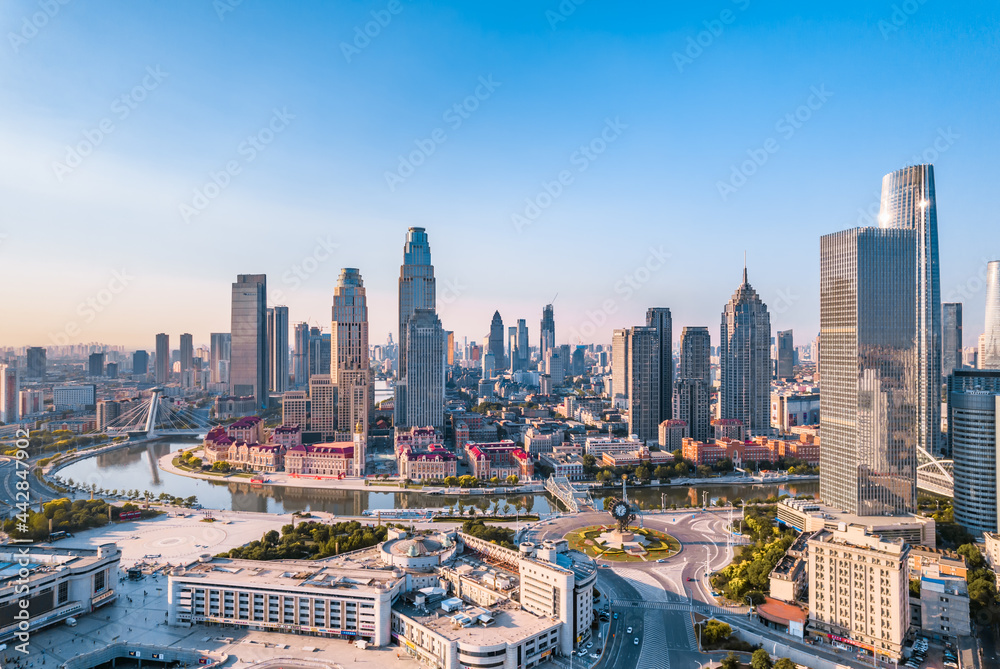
289, 574
510, 623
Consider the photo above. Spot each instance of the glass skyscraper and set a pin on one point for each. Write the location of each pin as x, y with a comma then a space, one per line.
495, 341
417, 290
869, 390
973, 435
277, 348
745, 360
547, 330
909, 202
991, 335
349, 366
659, 318
951, 337
692, 390
426, 341
248, 338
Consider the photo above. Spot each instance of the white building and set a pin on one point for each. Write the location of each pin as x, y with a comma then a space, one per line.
74, 397
598, 446
10, 385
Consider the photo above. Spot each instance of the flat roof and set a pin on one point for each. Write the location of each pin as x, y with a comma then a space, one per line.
510, 624
288, 574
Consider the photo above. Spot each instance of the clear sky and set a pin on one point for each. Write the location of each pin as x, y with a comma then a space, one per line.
622, 155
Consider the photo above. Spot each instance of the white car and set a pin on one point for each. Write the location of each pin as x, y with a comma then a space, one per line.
635, 641
628, 630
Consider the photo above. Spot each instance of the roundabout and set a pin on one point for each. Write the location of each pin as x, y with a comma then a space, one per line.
639, 545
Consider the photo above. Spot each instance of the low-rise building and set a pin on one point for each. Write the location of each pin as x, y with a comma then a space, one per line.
433, 461
537, 441
944, 604
637, 457
500, 459
806, 515
568, 465
328, 459
228, 406
598, 446
791, 575
729, 428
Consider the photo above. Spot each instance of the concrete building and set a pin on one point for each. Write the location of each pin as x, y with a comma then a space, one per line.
10, 387
564, 464
859, 590
745, 360
277, 349
951, 337
598, 446
162, 369
785, 360
500, 459
140, 363
323, 406
791, 409
660, 320
248, 365
349, 346
295, 408
187, 354
421, 390
973, 437
692, 406
74, 397
810, 516
300, 355
31, 402
672, 433
943, 604
35, 359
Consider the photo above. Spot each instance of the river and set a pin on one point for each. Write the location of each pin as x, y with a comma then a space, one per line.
135, 468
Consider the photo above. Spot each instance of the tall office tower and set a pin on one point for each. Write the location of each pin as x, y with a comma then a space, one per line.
140, 363
111, 370
248, 347
36, 362
417, 290
523, 348
495, 341
548, 331
95, 364
644, 382
512, 353
968, 381
909, 202
745, 360
187, 354
989, 353
973, 436
619, 365
349, 345
425, 355
696, 354
300, 358
10, 386
578, 365
951, 337
691, 405
449, 343
786, 356
277, 352
323, 406
868, 381
659, 318
221, 347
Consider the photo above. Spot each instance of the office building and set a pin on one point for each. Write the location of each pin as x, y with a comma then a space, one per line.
319, 352
523, 349
671, 434
859, 589
300, 356
909, 203
107, 412
695, 360
221, 355
277, 355
868, 386
248, 364
187, 354
691, 406
111, 370
547, 331
140, 363
659, 319
806, 515
10, 387
989, 348
951, 337
162, 358
424, 375
36, 362
295, 408
943, 604
95, 364
619, 368
785, 362
968, 380
745, 360
349, 346
494, 343
417, 286
323, 406
639, 349
791, 409
973, 437
75, 397
31, 402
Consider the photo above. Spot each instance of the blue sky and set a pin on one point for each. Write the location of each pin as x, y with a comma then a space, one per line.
640, 110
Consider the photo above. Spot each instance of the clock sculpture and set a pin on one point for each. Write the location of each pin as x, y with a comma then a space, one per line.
623, 514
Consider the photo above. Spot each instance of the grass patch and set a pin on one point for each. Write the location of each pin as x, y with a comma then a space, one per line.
483, 517
659, 544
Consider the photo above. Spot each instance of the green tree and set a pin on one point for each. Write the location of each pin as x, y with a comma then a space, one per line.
451, 481
662, 472
512, 479
973, 557
731, 661
785, 663
220, 466
642, 473
760, 659
715, 631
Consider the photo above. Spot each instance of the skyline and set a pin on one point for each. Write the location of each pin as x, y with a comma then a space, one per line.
542, 87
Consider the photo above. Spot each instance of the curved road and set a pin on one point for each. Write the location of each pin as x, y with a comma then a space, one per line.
9, 478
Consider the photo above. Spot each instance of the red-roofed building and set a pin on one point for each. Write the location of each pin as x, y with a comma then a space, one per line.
431, 462
500, 459
331, 459
249, 429
416, 438
287, 436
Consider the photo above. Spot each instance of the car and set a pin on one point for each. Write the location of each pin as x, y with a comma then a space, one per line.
635, 641
628, 630
661, 560
911, 664
616, 615
595, 656
590, 644
948, 664
690, 579
582, 653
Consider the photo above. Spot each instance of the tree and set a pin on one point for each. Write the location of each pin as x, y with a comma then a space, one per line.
760, 659
220, 466
642, 473
785, 663
451, 481
715, 631
662, 472
973, 557
731, 661
512, 479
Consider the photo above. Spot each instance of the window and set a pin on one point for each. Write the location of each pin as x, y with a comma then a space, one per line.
63, 592
99, 582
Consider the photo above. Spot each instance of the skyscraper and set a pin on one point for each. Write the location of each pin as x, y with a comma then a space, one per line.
10, 386
973, 435
989, 355
187, 354
659, 318
619, 365
786, 355
277, 352
547, 330
417, 290
36, 362
140, 363
869, 388
95, 364
512, 352
248, 348
696, 352
522, 345
691, 395
349, 367
909, 202
221, 354
300, 358
745, 360
496, 341
425, 357
643, 344
951, 337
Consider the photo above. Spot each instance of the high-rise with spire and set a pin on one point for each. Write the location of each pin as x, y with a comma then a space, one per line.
909, 202
745, 360
417, 290
349, 364
548, 331
495, 341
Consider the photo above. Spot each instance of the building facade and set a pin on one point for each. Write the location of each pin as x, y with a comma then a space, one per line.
989, 349
422, 388
248, 364
951, 337
350, 369
277, 348
973, 437
745, 360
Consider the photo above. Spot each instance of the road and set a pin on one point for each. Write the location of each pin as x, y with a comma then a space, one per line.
9, 478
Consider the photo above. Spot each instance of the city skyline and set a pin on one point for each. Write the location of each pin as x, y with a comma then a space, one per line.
324, 174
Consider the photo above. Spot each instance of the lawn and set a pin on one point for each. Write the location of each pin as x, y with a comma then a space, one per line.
660, 545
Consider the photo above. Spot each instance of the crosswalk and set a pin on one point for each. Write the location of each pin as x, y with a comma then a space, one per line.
692, 639
654, 653
699, 607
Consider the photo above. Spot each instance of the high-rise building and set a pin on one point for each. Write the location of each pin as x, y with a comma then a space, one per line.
548, 331
989, 350
10, 386
424, 390
107, 412
745, 360
909, 202
323, 406
319, 352
36, 362
449, 342
140, 363
696, 354
951, 337
495, 342
95, 364
300, 357
277, 352
221, 347
248, 348
522, 345
512, 353
968, 381
642, 352
350, 366
691, 404
659, 318
417, 290
868, 382
786, 355
111, 370
619, 365
187, 354
973, 436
